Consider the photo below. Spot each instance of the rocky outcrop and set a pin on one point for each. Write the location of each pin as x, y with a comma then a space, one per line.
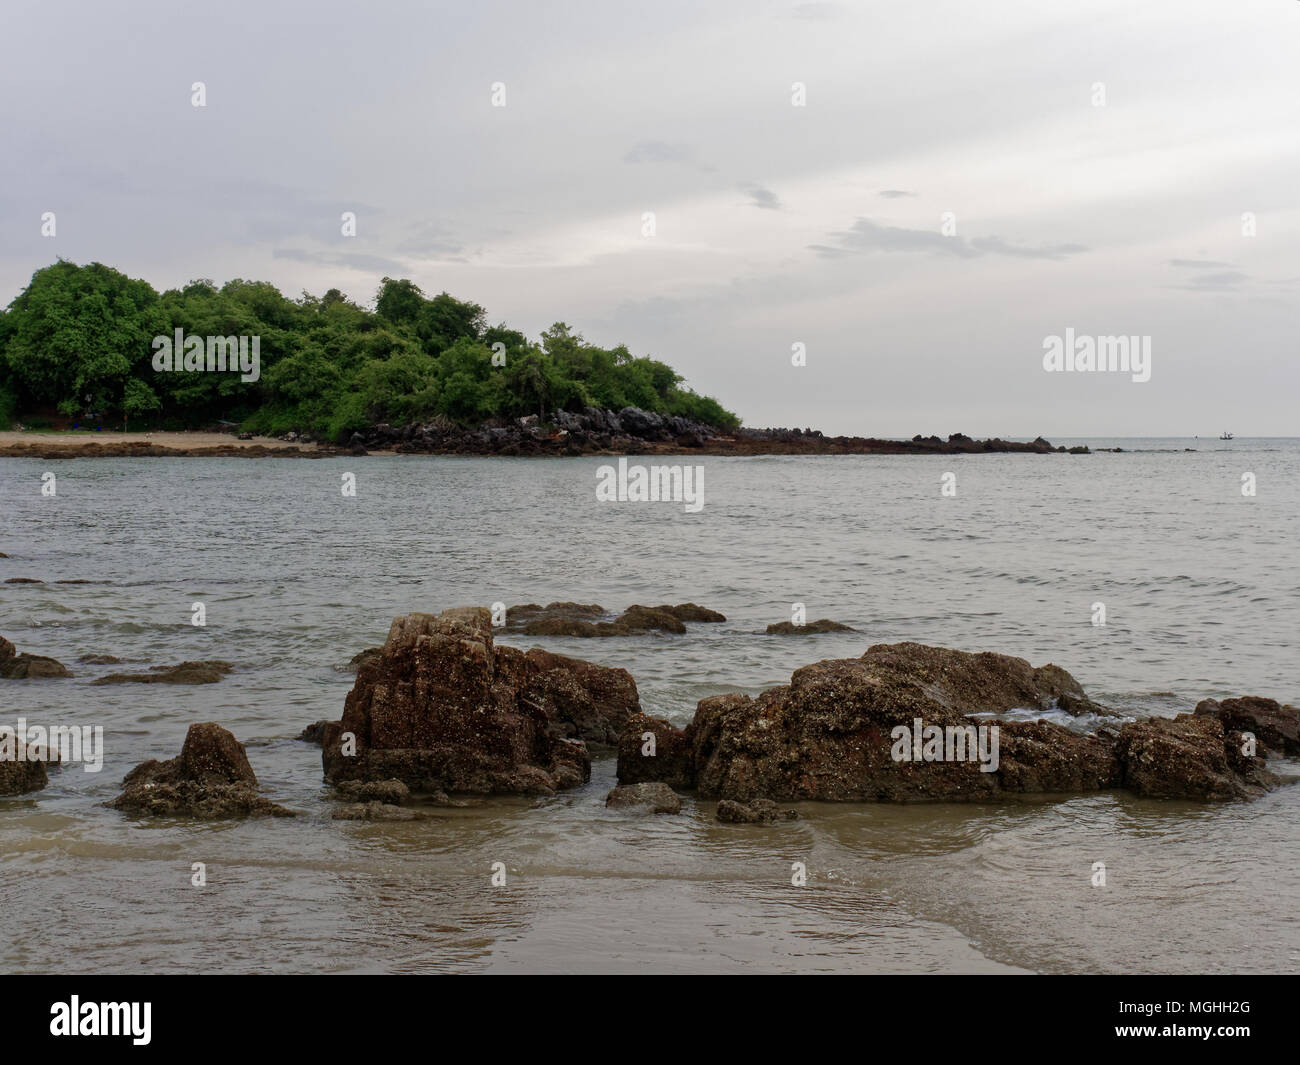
1276, 727
15, 666
205, 672
583, 619
1191, 756
210, 779
908, 722
442, 708
656, 797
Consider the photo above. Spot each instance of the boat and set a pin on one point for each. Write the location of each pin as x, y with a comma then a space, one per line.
1225, 435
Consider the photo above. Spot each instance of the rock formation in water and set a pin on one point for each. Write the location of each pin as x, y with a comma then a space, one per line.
15, 666
210, 779
443, 709
582, 619
897, 725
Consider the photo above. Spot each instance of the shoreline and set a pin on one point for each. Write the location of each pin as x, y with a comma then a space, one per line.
483, 443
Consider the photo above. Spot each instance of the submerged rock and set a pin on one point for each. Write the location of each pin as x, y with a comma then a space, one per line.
584, 619
314, 733
209, 779
811, 628
442, 708
15, 666
908, 722
757, 812
205, 672
659, 798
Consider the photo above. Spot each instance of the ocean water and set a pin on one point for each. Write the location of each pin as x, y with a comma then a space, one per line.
1202, 598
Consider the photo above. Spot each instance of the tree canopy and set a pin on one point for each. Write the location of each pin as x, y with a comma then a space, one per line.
78, 340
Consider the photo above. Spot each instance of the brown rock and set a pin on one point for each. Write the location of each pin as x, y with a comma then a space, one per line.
757, 812
1275, 726
210, 779
443, 709
22, 769
207, 672
658, 797
673, 761
1190, 757
811, 628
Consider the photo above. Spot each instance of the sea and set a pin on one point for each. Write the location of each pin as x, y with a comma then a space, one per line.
1187, 545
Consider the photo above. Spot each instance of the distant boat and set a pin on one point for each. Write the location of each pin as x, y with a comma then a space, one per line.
1225, 435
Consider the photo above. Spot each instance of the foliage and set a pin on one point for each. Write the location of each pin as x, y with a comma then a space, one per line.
79, 339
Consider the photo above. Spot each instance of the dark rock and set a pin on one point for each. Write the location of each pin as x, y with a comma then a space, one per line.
314, 733
22, 769
1190, 757
206, 672
443, 709
385, 791
659, 797
100, 660
637, 618
211, 778
361, 657
673, 761
15, 666
692, 612
1275, 726
23, 580
379, 811
789, 628
830, 735
756, 812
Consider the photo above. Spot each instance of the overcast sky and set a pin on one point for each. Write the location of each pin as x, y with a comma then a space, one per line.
774, 224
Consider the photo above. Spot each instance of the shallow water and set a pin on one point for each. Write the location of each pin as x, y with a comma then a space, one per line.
1202, 598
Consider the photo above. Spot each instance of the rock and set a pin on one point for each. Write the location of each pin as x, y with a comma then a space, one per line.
22, 769
1275, 726
15, 666
210, 779
379, 811
206, 672
361, 657
444, 709
811, 628
757, 812
314, 733
673, 760
584, 619
588, 701
363, 791
659, 797
23, 580
1190, 757
100, 660
637, 618
830, 735
692, 612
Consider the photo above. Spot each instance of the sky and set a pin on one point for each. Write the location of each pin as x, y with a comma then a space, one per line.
919, 194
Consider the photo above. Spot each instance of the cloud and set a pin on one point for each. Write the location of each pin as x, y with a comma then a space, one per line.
761, 197
1200, 264
865, 236
895, 194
